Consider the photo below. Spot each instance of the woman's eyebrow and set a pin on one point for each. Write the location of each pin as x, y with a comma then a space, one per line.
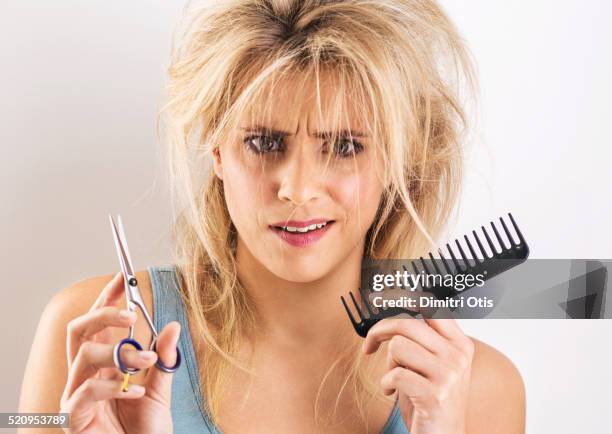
318, 134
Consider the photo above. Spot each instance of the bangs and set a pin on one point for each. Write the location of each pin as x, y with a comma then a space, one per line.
342, 101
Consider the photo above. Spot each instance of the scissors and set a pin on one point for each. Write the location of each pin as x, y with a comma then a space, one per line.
134, 299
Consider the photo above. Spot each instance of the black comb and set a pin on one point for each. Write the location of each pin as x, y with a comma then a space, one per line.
489, 266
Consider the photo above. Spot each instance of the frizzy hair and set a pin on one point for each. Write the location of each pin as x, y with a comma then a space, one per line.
402, 59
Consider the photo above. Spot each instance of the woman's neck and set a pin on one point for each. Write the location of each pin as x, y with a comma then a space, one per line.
298, 313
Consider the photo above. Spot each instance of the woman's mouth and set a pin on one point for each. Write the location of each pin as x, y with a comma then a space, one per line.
302, 234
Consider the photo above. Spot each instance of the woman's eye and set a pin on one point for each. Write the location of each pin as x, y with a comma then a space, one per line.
347, 147
261, 144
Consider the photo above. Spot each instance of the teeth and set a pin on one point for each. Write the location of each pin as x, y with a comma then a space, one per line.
304, 229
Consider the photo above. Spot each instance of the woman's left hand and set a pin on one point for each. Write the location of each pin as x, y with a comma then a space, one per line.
429, 364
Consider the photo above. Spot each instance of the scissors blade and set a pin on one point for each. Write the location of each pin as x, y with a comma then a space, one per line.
132, 293
119, 245
124, 243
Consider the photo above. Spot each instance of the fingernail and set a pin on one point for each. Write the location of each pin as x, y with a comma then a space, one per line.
147, 355
136, 388
126, 314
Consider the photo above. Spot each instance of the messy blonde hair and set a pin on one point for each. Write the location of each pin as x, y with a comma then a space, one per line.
403, 60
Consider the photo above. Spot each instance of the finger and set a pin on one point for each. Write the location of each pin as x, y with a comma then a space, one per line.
406, 353
111, 293
85, 326
157, 381
409, 383
93, 356
95, 389
412, 328
447, 327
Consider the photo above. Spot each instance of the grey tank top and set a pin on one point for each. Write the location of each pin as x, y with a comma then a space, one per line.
189, 409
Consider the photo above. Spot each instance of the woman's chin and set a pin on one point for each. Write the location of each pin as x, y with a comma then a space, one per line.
301, 271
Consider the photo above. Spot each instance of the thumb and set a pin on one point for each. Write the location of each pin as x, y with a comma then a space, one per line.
158, 383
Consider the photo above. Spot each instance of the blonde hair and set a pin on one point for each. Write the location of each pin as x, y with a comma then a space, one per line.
401, 59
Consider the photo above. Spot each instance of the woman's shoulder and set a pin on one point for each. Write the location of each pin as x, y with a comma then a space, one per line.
497, 391
491, 367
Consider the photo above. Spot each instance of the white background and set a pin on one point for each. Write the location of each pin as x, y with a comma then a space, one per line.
81, 84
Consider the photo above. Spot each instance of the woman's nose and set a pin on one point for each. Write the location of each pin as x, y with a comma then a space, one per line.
300, 178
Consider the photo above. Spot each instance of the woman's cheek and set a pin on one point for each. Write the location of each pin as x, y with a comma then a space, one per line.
242, 192
359, 194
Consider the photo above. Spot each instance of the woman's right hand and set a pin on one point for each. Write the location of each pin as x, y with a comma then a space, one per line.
93, 396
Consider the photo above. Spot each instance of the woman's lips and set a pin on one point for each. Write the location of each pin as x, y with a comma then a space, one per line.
301, 239
302, 223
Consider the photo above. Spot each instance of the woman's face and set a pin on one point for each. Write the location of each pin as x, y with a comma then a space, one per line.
298, 217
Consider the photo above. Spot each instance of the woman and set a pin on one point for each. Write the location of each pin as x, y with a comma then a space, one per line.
304, 136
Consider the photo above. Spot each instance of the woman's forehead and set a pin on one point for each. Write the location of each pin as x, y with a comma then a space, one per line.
293, 99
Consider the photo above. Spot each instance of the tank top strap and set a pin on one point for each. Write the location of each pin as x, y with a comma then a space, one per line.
395, 424
189, 410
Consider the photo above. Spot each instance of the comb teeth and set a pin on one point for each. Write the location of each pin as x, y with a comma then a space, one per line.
365, 323
499, 238
508, 249
482, 250
518, 232
472, 251
494, 252
513, 253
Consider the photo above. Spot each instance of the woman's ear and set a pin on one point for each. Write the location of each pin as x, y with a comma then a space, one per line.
217, 166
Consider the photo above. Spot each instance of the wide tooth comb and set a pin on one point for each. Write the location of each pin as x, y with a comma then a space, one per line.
509, 256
